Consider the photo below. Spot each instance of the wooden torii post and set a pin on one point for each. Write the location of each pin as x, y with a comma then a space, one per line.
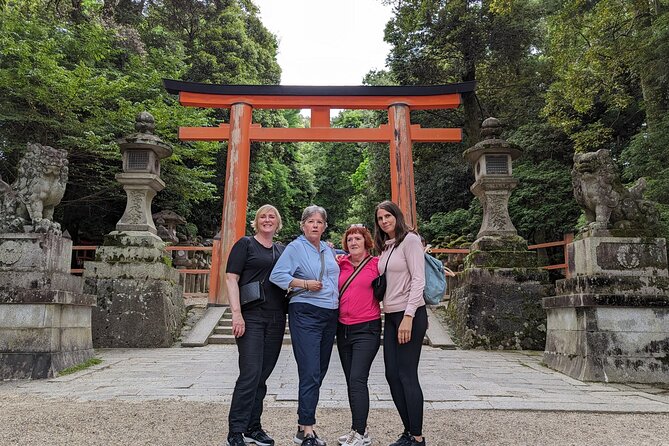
242, 99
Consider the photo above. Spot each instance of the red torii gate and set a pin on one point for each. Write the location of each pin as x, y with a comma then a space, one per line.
241, 99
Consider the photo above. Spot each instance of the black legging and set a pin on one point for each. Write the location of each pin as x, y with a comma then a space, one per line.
401, 362
357, 345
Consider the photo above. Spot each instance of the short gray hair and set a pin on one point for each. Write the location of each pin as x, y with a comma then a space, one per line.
311, 210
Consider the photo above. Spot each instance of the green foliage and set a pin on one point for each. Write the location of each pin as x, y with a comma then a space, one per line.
79, 367
549, 218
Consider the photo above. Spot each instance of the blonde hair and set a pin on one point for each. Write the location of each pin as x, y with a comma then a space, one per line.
263, 210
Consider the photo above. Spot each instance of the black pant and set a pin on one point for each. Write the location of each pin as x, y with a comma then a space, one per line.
357, 345
401, 361
259, 350
312, 331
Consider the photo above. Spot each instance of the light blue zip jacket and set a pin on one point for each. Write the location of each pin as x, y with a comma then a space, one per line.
301, 260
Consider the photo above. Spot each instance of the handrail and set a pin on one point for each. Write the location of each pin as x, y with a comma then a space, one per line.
568, 238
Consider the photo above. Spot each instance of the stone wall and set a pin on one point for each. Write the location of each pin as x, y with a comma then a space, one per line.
45, 318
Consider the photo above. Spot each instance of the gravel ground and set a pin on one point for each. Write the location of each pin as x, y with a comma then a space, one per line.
28, 420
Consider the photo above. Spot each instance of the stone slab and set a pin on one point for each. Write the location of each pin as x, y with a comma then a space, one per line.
10, 296
136, 313
35, 252
199, 335
618, 285
609, 343
499, 308
134, 270
42, 280
436, 334
40, 365
618, 256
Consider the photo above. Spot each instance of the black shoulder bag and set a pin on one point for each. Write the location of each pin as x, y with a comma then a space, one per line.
379, 284
253, 292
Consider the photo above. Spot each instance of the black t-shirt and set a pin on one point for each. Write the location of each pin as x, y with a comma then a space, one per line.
252, 261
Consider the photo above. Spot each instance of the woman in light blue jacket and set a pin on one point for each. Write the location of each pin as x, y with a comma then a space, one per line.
307, 268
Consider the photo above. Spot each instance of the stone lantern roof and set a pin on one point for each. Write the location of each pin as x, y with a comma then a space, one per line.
144, 138
491, 130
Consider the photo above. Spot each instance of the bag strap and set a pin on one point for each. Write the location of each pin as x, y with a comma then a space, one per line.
320, 275
388, 260
269, 270
352, 276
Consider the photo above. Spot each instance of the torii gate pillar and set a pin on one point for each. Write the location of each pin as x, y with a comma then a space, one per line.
401, 162
233, 225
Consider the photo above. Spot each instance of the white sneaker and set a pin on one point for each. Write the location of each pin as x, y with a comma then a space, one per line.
355, 439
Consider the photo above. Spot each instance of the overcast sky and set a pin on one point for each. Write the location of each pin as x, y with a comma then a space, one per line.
325, 42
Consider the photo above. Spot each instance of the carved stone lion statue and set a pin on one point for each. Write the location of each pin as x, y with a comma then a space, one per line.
39, 187
607, 203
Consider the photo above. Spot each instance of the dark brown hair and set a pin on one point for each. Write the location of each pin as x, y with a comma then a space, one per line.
358, 230
401, 228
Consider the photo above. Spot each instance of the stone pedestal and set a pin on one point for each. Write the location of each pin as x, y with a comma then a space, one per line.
139, 299
609, 321
498, 307
45, 319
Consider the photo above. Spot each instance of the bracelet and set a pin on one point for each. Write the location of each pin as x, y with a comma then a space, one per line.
306, 287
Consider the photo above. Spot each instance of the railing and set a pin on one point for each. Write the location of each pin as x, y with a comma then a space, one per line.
196, 281
568, 238
192, 262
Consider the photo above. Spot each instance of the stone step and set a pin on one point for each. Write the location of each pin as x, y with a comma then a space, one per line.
222, 332
227, 329
229, 339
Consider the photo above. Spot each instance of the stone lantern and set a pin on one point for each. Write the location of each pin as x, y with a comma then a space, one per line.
140, 301
497, 303
142, 152
492, 161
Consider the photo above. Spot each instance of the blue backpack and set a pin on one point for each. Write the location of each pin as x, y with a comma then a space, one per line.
435, 280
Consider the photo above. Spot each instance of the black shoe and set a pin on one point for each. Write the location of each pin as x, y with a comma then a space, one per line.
299, 438
310, 440
404, 440
259, 437
235, 439
414, 442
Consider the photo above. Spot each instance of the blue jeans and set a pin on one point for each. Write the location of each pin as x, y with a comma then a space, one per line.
312, 331
259, 350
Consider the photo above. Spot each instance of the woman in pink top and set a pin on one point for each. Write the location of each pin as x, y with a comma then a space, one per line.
359, 327
403, 261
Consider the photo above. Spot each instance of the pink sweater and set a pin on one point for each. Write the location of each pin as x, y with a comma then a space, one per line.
358, 305
405, 276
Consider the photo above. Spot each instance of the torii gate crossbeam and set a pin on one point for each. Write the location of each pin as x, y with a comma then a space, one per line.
399, 133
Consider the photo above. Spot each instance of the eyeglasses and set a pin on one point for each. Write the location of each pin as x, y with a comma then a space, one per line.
357, 225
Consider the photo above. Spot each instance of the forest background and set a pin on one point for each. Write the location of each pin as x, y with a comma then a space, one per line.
563, 76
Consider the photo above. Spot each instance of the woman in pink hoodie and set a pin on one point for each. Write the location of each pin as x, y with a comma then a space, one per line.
403, 262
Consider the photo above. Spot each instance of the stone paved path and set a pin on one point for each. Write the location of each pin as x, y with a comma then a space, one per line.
451, 379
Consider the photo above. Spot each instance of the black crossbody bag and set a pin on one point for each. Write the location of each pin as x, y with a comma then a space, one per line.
253, 292
379, 284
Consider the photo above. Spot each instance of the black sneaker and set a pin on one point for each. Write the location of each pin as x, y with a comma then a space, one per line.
310, 440
404, 440
299, 438
414, 442
235, 439
259, 437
